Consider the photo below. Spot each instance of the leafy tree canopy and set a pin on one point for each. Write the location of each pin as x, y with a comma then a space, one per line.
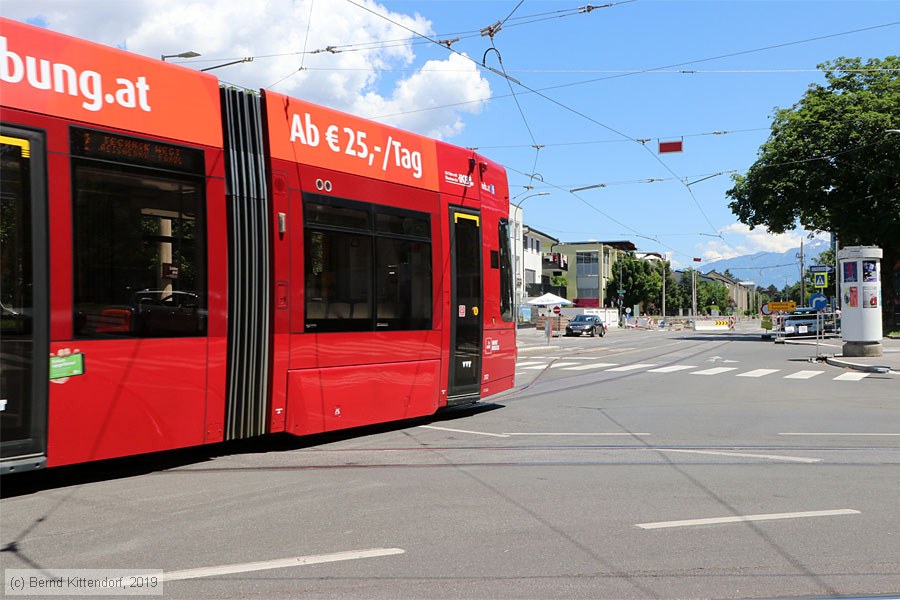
829, 163
641, 280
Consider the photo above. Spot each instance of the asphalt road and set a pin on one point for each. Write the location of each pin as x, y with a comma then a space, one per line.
639, 465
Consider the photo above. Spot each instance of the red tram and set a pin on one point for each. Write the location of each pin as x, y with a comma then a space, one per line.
184, 263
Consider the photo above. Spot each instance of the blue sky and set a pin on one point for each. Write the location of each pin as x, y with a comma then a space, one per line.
592, 82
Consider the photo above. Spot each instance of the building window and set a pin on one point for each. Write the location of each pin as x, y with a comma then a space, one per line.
586, 263
587, 274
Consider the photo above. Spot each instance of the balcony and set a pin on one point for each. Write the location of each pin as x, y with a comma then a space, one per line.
533, 290
555, 261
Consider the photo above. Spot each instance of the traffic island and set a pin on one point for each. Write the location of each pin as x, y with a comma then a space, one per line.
863, 349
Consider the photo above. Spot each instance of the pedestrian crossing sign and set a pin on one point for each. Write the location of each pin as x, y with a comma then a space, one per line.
820, 280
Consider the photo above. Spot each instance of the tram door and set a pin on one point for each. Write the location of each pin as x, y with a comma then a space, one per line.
465, 306
24, 345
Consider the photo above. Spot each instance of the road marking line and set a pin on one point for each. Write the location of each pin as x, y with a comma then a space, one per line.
528, 364
591, 366
839, 434
296, 561
562, 364
855, 376
746, 518
619, 433
541, 366
803, 374
714, 371
758, 373
463, 431
743, 455
632, 367
671, 369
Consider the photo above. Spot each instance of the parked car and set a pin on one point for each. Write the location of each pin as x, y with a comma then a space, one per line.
802, 317
586, 325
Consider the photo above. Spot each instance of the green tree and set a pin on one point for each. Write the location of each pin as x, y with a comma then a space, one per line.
641, 280
830, 163
559, 280
712, 294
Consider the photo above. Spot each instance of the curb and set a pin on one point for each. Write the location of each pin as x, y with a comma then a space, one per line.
858, 367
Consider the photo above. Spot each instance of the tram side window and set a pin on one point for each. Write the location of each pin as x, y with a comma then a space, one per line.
506, 274
140, 251
368, 267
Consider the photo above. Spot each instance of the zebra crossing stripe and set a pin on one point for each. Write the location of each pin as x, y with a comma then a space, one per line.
633, 367
758, 373
714, 371
854, 376
590, 366
803, 374
671, 369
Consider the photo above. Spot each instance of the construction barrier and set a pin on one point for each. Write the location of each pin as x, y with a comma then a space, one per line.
723, 324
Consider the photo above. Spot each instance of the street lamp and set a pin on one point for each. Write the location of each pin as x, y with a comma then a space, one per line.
518, 252
520, 202
188, 54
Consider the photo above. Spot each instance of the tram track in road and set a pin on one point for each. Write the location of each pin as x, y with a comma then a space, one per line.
580, 456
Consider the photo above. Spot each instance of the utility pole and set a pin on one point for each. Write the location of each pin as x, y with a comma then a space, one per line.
664, 290
837, 272
693, 293
802, 282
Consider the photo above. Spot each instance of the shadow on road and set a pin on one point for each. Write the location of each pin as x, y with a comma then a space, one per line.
21, 484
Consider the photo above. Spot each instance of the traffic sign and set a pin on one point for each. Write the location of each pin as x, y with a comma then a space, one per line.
621, 291
556, 310
818, 301
775, 306
675, 146
820, 280
821, 269
765, 309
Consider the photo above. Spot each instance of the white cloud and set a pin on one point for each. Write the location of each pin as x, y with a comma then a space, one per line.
360, 79
740, 240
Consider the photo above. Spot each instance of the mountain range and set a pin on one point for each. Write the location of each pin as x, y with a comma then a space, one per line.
769, 268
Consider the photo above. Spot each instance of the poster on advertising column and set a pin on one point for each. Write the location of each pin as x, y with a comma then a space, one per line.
851, 299
870, 270
870, 296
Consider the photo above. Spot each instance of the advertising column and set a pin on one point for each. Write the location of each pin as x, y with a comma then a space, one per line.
861, 300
